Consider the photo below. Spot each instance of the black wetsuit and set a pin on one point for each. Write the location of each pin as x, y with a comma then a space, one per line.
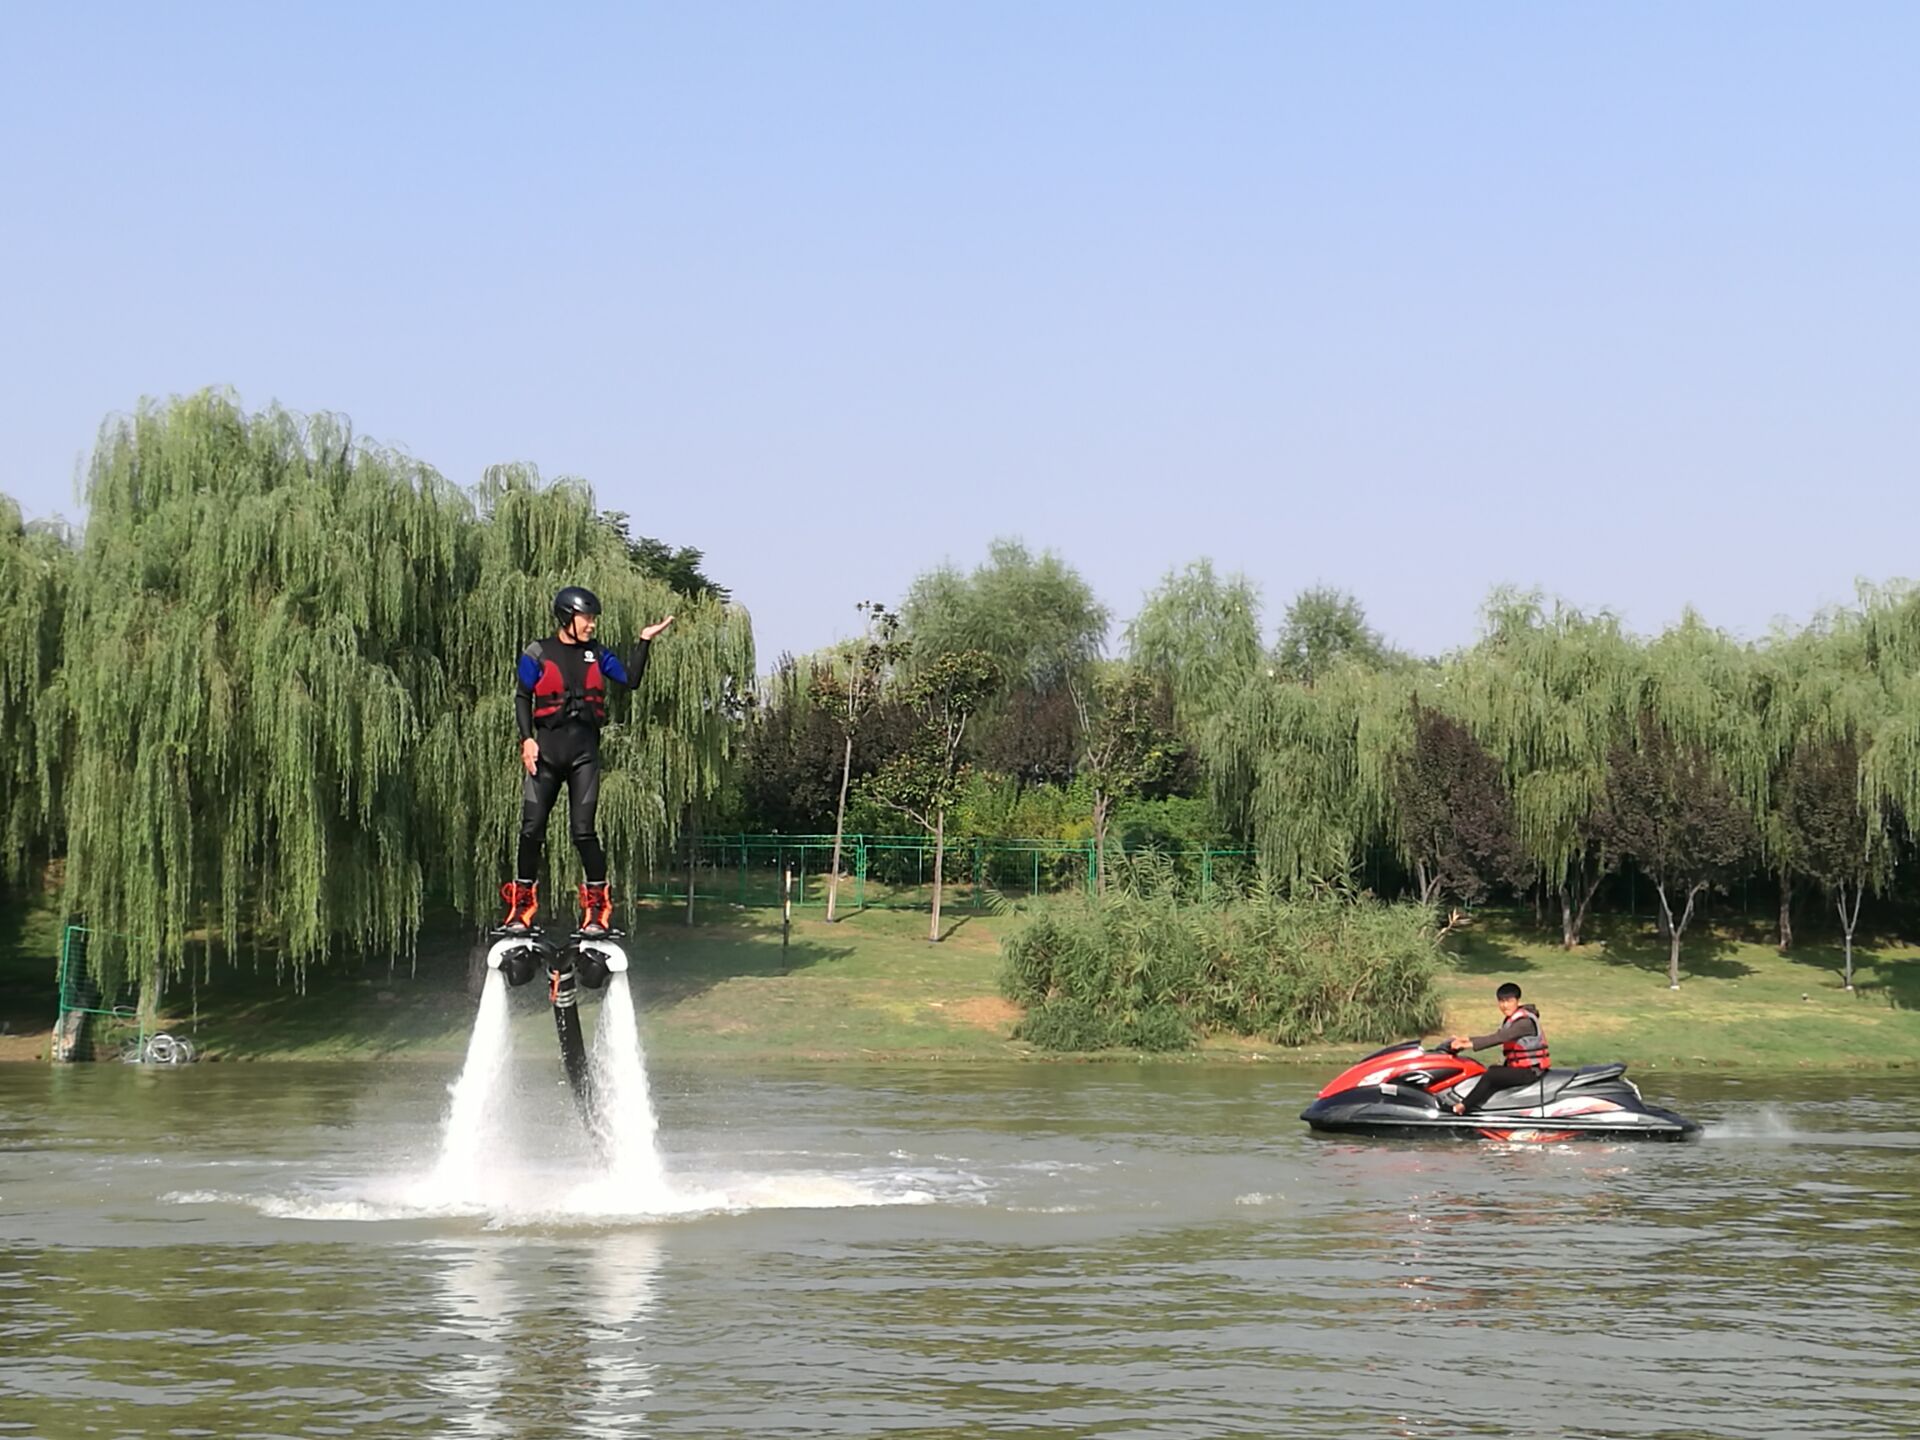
569, 740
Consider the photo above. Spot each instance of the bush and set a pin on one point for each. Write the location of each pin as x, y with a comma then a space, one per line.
1156, 970
1158, 1028
1066, 1025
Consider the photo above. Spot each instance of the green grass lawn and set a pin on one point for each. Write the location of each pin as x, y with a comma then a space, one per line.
873, 988
1740, 1002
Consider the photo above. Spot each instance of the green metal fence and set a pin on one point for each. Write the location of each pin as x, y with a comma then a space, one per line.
99, 1010
896, 871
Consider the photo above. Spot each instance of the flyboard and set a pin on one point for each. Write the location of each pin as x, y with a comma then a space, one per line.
580, 959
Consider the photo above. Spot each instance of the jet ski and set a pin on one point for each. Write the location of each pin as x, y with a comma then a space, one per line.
1408, 1090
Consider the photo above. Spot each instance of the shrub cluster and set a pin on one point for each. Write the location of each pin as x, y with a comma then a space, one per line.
1148, 970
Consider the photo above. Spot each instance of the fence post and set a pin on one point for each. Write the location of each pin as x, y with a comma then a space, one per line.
1093, 867
1036, 876
977, 878
860, 860
1206, 871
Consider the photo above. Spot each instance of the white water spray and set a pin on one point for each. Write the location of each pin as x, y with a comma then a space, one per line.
626, 1120
488, 1163
474, 1116
1761, 1122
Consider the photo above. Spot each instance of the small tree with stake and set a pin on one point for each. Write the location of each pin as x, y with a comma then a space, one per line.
923, 783
1127, 747
848, 698
1674, 815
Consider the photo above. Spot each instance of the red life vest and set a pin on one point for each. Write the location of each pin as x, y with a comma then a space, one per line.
555, 700
1529, 1052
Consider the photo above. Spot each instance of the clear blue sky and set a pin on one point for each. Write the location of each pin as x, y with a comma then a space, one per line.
1620, 300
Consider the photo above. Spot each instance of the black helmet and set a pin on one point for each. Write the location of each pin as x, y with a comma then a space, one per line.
575, 600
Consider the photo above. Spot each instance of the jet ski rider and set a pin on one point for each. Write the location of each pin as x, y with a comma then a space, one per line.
1523, 1046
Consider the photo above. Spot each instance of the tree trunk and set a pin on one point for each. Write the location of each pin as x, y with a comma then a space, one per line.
939, 857
1430, 883
1673, 941
70, 1039
839, 826
1573, 918
1847, 923
1539, 907
1102, 805
1786, 911
1676, 929
693, 850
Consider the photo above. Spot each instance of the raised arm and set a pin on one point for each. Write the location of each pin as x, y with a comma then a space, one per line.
612, 667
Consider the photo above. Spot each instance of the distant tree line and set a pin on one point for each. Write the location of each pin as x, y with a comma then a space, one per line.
1538, 765
261, 697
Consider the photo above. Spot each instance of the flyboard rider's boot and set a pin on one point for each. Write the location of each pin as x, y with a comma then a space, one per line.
592, 961
523, 903
596, 910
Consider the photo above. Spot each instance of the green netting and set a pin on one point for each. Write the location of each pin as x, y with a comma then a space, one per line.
99, 1001
895, 872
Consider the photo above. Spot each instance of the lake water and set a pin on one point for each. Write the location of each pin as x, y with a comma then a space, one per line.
1070, 1250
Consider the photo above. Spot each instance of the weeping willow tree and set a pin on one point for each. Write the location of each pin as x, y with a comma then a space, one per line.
1308, 772
1889, 637
1686, 795
1706, 692
258, 602
1820, 704
1198, 633
288, 666
1552, 694
36, 565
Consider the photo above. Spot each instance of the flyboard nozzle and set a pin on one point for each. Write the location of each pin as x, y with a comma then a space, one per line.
513, 958
599, 959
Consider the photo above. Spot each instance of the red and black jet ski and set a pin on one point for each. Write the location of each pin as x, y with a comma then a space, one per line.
1407, 1090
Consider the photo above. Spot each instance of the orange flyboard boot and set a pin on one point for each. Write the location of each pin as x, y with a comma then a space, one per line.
596, 909
523, 903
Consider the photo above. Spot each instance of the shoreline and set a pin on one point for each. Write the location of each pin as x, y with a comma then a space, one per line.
872, 990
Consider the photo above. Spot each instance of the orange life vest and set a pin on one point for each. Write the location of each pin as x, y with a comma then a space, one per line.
1529, 1052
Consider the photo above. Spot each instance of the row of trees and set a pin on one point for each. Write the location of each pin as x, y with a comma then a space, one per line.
997, 670
1540, 762
1559, 748
263, 697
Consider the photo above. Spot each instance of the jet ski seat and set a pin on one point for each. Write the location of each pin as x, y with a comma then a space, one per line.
1520, 1097
1595, 1074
